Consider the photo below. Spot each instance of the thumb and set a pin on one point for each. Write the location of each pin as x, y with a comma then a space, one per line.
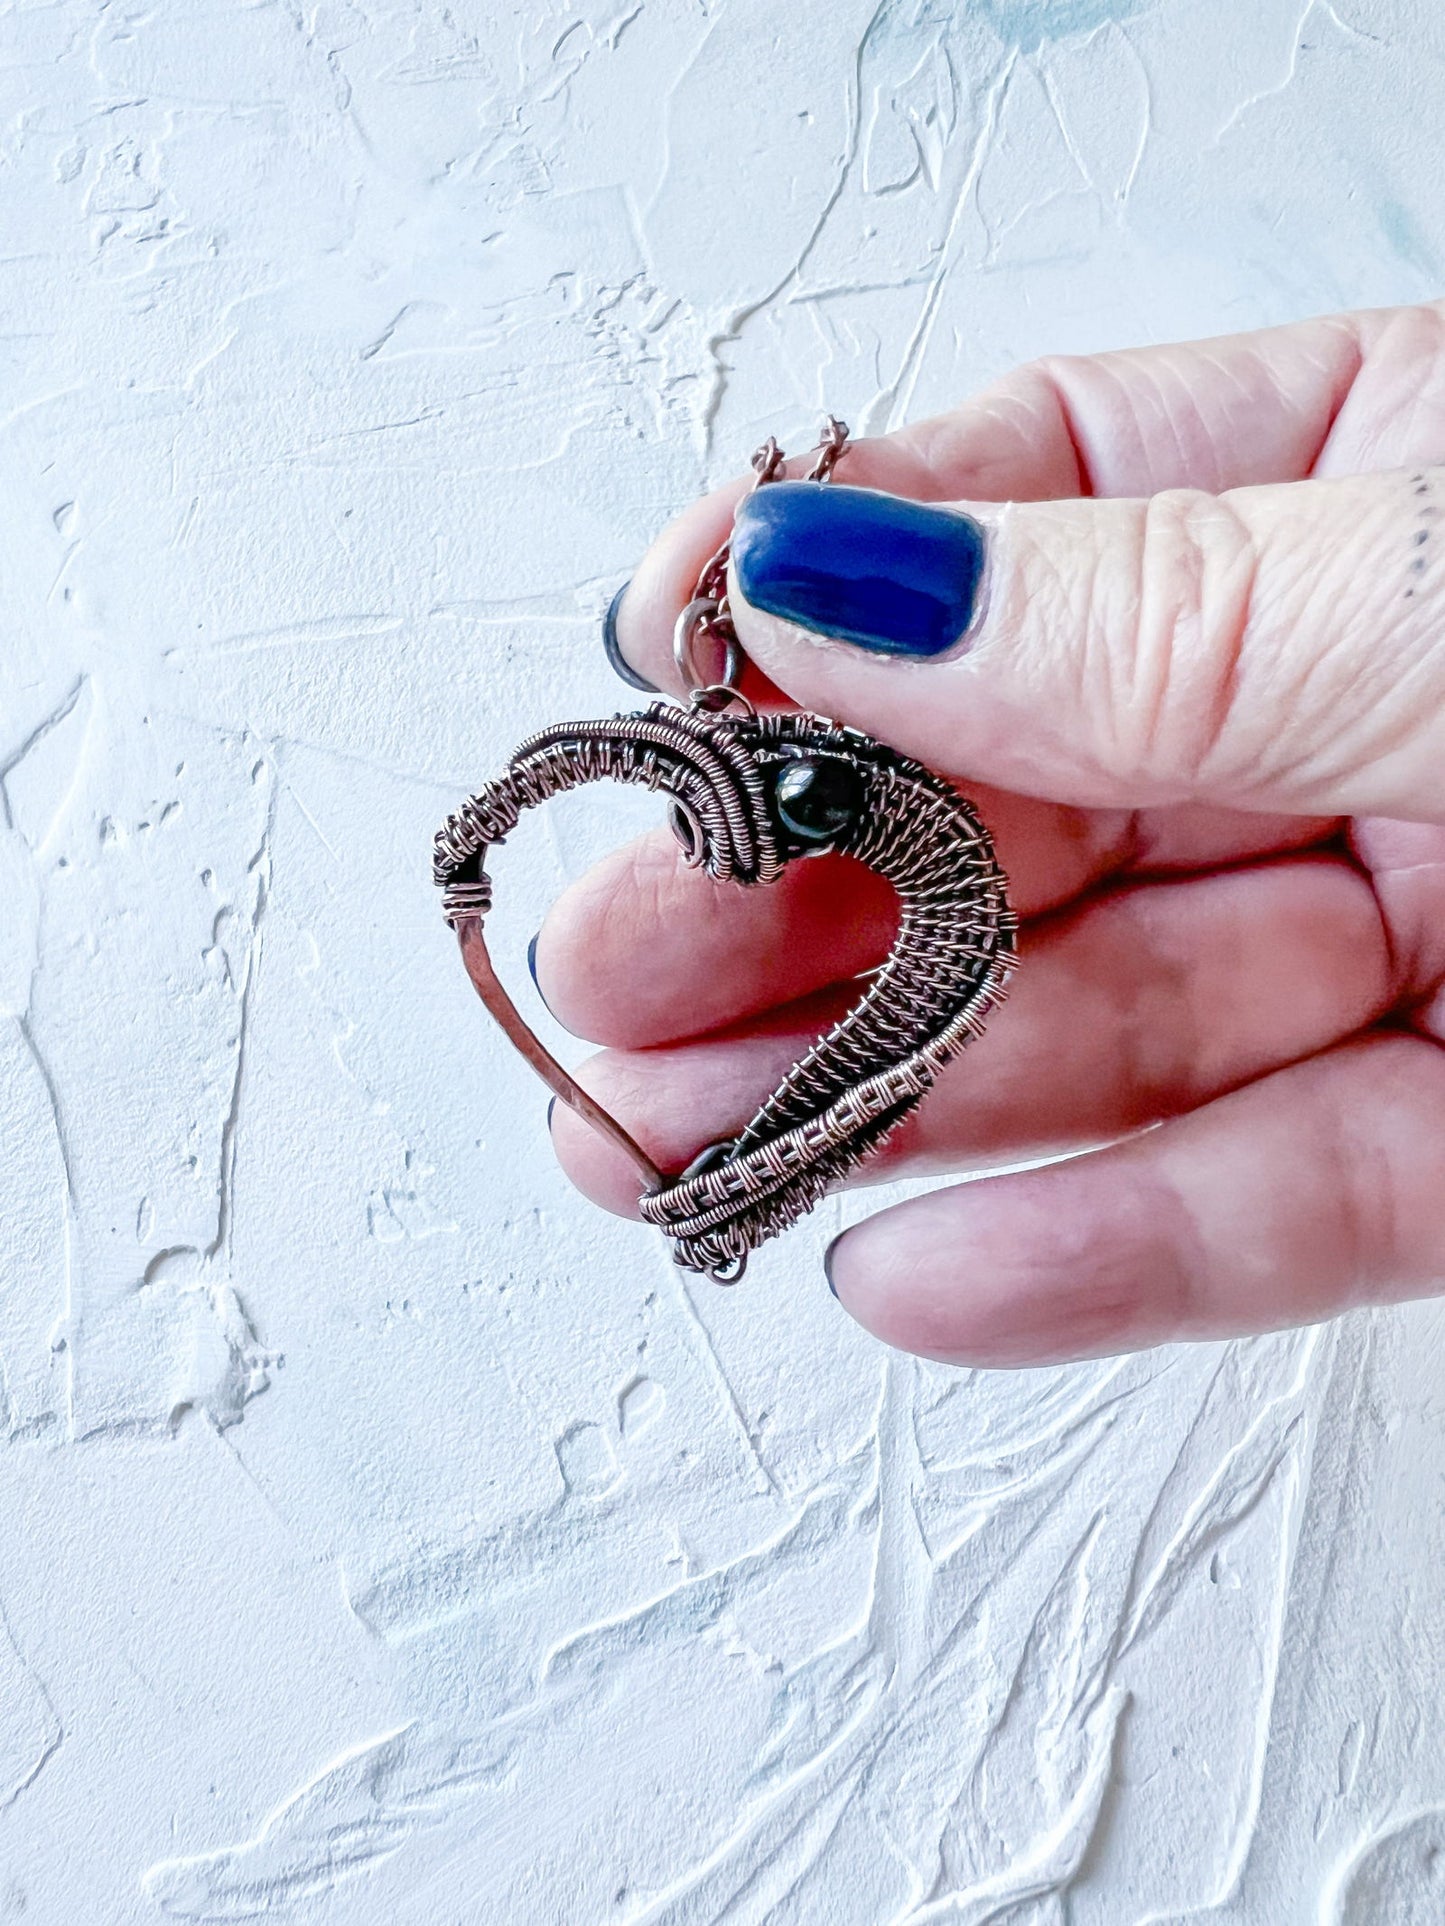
1275, 648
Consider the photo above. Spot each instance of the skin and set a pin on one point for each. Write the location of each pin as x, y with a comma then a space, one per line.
1203, 711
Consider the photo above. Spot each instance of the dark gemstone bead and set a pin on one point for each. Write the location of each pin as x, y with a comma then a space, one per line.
684, 827
708, 1159
818, 798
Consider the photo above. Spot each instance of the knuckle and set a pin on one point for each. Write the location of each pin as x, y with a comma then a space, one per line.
1194, 574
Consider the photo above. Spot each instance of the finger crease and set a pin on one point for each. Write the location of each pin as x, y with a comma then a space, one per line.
1341, 400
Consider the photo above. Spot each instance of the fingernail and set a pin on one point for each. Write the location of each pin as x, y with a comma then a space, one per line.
828, 1262
888, 575
614, 655
550, 1108
532, 972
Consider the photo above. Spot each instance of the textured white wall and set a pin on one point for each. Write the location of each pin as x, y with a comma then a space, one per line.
386, 1536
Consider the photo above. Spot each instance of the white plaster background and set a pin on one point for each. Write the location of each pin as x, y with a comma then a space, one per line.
385, 1536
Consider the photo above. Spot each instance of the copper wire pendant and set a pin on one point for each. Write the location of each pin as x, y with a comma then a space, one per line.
751, 793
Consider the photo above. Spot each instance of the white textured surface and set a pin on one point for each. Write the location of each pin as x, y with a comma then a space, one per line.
387, 1537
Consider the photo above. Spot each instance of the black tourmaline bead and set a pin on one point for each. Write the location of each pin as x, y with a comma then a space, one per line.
818, 798
685, 829
708, 1159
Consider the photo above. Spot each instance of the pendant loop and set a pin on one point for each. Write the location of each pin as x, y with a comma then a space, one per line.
701, 617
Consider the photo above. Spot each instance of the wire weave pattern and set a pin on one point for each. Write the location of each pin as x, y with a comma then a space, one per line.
949, 966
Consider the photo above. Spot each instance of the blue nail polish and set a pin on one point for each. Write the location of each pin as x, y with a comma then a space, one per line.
889, 575
550, 1108
828, 1262
619, 663
532, 972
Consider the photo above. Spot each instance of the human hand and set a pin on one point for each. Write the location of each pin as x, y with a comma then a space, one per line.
1200, 703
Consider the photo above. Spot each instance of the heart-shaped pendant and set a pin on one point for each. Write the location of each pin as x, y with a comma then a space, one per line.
751, 794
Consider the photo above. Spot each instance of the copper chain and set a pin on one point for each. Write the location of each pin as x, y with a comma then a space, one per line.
707, 618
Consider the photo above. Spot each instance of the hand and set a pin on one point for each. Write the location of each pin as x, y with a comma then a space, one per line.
1200, 701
